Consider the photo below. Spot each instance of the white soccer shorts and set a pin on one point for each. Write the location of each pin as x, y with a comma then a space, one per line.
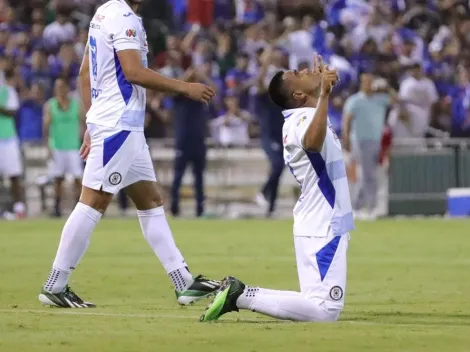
322, 266
66, 162
117, 159
11, 164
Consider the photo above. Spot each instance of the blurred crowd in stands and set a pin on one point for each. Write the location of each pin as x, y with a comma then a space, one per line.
236, 45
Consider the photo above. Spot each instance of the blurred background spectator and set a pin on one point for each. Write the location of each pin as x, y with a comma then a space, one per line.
421, 48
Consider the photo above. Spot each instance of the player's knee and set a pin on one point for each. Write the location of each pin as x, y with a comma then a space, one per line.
97, 200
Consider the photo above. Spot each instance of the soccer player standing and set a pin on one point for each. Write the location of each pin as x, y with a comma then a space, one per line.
113, 79
322, 216
61, 129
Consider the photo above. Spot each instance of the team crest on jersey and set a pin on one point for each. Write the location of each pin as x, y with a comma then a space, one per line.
336, 293
131, 33
115, 178
302, 119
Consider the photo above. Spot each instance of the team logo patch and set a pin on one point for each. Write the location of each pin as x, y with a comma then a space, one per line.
336, 293
131, 33
115, 178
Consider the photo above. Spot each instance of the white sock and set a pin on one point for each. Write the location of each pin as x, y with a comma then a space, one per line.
73, 245
157, 232
286, 305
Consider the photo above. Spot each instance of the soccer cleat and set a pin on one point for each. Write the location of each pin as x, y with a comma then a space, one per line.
225, 301
199, 289
64, 299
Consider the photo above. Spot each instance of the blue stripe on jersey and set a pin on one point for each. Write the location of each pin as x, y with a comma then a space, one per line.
123, 83
325, 256
112, 144
336, 170
288, 115
324, 182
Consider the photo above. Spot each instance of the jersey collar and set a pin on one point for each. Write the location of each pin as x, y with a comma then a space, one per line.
126, 4
288, 113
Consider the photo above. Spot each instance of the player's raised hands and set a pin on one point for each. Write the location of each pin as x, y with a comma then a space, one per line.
200, 92
328, 80
318, 64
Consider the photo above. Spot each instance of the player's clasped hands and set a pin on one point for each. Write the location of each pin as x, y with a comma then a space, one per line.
200, 92
328, 77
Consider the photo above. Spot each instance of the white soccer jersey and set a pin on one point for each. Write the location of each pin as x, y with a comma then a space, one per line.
116, 103
325, 202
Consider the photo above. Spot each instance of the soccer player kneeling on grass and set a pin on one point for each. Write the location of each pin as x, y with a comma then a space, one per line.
322, 217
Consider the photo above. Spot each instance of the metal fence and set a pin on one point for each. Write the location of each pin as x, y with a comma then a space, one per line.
421, 173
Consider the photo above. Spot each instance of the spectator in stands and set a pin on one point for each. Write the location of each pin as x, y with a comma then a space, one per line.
38, 71
190, 120
60, 31
363, 125
420, 95
240, 80
232, 127
11, 164
30, 115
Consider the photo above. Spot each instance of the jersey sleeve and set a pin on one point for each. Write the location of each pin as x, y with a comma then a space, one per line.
301, 126
124, 32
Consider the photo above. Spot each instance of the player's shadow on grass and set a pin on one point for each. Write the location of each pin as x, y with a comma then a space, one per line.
411, 318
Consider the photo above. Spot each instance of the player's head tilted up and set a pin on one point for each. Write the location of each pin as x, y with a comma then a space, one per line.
296, 89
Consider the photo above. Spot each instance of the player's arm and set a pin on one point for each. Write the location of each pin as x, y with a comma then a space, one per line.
347, 122
84, 79
316, 131
136, 73
46, 121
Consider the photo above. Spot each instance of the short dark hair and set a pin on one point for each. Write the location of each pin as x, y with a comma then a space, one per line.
277, 91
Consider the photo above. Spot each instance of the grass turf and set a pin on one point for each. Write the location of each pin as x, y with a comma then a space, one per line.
408, 289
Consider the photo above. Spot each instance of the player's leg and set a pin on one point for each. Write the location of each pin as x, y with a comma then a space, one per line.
180, 163
199, 164
322, 273
58, 192
277, 167
147, 197
57, 168
13, 169
108, 162
75, 168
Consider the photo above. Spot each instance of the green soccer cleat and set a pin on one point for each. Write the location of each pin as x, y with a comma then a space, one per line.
200, 289
64, 299
225, 301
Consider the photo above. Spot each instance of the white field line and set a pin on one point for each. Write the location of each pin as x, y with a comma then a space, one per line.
81, 312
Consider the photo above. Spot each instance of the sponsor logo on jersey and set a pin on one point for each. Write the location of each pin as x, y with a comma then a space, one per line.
131, 33
98, 17
302, 119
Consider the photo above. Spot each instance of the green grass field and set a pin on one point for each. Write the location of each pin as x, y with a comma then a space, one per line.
408, 289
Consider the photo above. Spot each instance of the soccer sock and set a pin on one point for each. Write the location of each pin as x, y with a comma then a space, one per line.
73, 244
157, 232
286, 305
